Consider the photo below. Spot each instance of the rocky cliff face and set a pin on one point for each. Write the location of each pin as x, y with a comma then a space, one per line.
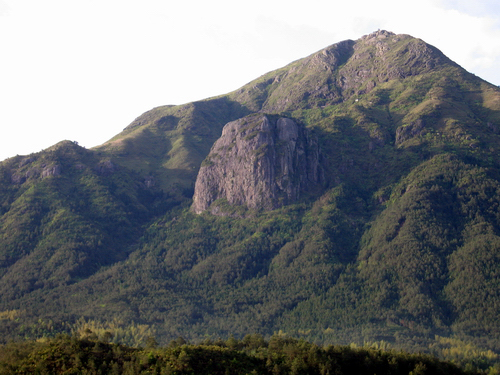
260, 162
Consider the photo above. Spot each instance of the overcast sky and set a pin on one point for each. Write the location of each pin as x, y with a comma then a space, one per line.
84, 69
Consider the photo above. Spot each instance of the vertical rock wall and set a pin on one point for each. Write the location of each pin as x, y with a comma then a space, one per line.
258, 162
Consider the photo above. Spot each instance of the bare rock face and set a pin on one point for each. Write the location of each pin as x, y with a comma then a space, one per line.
51, 170
258, 162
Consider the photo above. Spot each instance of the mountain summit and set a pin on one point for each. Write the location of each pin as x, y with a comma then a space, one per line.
350, 196
343, 70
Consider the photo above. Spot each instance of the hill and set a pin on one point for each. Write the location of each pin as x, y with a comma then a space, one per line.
395, 240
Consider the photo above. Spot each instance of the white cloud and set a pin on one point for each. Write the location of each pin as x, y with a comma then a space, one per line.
82, 70
480, 8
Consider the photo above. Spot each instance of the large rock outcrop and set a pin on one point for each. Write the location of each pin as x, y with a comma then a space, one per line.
261, 162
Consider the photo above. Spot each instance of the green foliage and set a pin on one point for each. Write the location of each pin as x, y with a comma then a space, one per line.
280, 355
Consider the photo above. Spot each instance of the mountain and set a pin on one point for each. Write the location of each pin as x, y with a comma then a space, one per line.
350, 196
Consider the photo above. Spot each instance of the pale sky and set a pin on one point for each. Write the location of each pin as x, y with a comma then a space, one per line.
82, 70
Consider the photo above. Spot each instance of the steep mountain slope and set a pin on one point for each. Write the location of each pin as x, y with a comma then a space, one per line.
395, 240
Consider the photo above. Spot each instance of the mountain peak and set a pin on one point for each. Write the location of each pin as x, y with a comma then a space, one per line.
379, 34
337, 72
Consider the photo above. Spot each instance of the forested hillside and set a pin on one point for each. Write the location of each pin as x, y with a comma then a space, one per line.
394, 242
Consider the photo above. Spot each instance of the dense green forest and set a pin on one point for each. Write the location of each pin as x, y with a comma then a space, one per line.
251, 355
397, 248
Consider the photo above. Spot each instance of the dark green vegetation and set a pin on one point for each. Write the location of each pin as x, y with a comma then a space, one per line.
400, 246
251, 355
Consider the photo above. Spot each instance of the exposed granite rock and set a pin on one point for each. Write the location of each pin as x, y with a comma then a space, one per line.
20, 177
105, 168
51, 170
258, 162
